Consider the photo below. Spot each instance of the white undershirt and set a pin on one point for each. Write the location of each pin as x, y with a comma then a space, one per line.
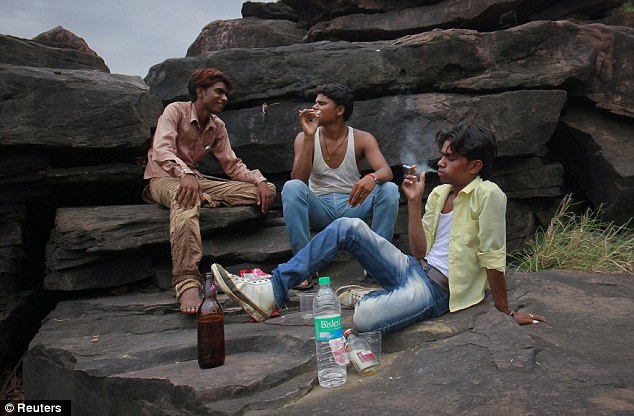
340, 180
438, 256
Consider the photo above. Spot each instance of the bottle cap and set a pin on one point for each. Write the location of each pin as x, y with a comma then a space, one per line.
325, 280
347, 332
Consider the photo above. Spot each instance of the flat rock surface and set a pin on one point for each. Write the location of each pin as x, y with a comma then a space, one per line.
135, 354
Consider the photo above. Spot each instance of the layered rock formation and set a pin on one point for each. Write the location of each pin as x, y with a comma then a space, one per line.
24, 52
71, 134
246, 33
109, 246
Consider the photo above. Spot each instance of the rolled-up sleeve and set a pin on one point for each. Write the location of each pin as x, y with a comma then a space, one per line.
492, 231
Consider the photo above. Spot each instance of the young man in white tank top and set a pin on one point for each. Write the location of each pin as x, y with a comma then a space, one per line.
325, 181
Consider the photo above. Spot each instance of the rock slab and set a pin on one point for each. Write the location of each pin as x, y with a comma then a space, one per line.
135, 354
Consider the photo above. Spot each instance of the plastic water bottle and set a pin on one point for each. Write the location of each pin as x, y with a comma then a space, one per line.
329, 341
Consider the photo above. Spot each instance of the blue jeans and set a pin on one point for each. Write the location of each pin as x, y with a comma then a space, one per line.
304, 210
407, 295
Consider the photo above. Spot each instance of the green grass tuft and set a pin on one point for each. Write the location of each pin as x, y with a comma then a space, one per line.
626, 7
579, 242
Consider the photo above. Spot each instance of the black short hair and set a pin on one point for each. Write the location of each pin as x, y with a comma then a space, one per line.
471, 141
340, 94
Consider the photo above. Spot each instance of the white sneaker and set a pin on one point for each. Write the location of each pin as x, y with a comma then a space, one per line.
351, 294
254, 295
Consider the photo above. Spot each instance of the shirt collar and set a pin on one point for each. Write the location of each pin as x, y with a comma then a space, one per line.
211, 124
466, 190
472, 185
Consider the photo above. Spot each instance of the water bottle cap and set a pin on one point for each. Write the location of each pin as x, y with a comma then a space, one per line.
325, 280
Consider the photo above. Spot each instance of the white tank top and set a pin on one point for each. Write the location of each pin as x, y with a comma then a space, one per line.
326, 180
438, 256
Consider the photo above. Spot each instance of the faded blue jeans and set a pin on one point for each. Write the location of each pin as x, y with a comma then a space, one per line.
304, 210
407, 295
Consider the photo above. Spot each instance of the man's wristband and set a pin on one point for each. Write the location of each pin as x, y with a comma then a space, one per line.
373, 176
185, 172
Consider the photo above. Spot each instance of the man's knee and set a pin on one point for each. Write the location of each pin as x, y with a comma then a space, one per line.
293, 188
389, 191
364, 318
181, 216
345, 224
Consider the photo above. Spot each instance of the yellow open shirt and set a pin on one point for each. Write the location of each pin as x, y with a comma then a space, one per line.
477, 240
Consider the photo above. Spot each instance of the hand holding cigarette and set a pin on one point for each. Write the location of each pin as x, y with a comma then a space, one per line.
410, 170
309, 114
413, 183
309, 120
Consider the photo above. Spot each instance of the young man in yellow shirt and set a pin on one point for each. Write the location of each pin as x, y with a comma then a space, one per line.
458, 249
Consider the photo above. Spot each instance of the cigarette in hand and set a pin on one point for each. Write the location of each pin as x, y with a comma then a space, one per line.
410, 170
312, 116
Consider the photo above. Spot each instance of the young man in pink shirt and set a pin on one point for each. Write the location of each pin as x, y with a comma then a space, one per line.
186, 132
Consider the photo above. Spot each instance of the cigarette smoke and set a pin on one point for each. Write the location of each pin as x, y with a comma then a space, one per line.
408, 156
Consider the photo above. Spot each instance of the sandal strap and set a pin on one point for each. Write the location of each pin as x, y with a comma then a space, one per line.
187, 284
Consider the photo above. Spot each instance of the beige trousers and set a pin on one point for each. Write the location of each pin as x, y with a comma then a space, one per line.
185, 239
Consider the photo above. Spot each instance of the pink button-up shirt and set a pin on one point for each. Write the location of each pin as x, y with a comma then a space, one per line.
178, 146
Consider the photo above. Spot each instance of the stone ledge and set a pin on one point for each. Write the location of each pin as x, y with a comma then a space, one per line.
107, 246
135, 354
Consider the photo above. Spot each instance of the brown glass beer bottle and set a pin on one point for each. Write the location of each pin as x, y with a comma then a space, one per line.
211, 327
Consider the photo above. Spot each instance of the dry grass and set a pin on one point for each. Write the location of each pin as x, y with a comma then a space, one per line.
11, 384
579, 242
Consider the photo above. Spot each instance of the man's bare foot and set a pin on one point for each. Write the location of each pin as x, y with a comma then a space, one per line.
190, 300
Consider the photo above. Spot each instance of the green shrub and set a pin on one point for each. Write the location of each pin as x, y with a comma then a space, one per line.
579, 242
626, 7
